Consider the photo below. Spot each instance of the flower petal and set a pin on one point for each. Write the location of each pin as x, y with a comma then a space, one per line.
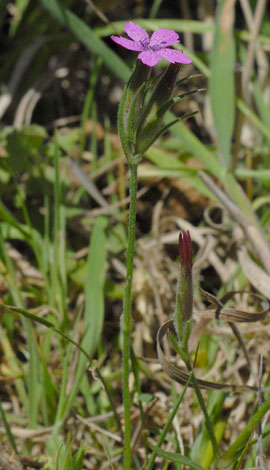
163, 38
149, 58
136, 33
174, 56
127, 43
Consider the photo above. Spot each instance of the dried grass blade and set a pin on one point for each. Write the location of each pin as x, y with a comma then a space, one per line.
231, 315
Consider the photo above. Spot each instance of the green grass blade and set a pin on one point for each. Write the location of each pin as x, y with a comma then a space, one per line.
176, 458
34, 384
94, 296
94, 302
167, 426
87, 37
243, 173
154, 8
238, 195
193, 145
58, 265
262, 103
253, 118
7, 429
10, 219
89, 101
33, 398
221, 84
44, 322
64, 380
235, 449
246, 36
147, 171
181, 26
202, 450
14, 366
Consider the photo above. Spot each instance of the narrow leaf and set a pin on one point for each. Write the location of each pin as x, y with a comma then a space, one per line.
94, 303
193, 145
177, 458
244, 436
181, 26
221, 84
94, 287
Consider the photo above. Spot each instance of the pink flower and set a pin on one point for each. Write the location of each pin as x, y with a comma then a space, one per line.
154, 49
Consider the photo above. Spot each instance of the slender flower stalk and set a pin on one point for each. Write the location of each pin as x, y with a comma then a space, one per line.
126, 322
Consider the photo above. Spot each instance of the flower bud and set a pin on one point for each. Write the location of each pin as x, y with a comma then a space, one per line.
185, 250
153, 114
184, 295
130, 108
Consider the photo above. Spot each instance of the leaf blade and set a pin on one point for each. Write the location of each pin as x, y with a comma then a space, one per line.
221, 82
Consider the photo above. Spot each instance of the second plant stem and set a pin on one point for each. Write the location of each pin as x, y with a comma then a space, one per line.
126, 321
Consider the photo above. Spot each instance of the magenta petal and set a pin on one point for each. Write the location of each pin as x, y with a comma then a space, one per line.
136, 33
149, 58
174, 56
127, 43
163, 38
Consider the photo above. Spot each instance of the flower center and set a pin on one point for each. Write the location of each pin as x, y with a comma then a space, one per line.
156, 47
145, 44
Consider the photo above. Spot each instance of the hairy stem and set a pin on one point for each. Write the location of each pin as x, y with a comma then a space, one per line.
126, 323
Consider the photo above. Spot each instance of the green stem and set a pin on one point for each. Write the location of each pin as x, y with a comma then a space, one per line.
167, 425
126, 322
208, 422
209, 426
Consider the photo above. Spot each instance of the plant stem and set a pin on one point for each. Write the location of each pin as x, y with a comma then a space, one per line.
126, 322
167, 425
209, 426
208, 423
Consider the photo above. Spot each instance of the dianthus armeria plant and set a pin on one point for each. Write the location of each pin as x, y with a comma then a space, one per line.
140, 122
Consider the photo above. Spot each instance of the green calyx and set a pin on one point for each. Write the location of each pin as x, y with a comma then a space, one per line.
142, 109
130, 110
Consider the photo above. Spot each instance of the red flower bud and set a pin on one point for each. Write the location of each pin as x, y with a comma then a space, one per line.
184, 297
185, 249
